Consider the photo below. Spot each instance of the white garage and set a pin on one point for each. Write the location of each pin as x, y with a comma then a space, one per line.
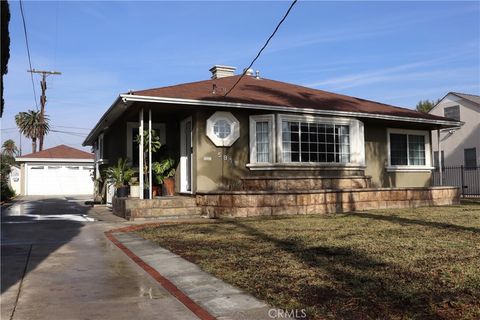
60, 170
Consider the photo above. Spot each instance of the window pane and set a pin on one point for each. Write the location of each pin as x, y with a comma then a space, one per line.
315, 142
452, 112
470, 157
222, 128
416, 150
398, 149
263, 141
290, 143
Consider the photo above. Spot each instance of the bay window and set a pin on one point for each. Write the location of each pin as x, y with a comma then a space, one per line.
315, 142
294, 140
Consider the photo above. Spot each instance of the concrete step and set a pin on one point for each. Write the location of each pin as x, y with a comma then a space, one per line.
173, 202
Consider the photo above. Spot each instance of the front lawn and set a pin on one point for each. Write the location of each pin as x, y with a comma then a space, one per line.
387, 264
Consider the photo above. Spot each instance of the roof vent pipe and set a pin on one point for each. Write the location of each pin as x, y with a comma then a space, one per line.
219, 71
257, 74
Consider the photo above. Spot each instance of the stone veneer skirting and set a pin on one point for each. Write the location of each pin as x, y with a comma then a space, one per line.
267, 203
305, 183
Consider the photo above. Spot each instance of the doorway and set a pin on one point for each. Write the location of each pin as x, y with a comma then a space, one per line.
186, 151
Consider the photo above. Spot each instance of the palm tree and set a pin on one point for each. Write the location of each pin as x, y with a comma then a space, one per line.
32, 126
9, 148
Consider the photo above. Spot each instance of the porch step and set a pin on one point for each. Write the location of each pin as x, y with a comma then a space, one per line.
172, 202
165, 208
176, 207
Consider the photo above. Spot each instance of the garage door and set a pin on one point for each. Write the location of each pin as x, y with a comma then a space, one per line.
59, 180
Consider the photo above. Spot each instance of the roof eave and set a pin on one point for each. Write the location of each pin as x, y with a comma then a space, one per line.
99, 126
434, 122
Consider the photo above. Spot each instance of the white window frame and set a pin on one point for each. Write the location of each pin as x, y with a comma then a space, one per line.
357, 143
428, 161
99, 148
270, 118
130, 125
234, 129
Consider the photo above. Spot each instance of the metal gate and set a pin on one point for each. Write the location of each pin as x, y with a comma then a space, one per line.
467, 178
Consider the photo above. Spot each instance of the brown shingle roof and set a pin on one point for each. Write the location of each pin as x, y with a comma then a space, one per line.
60, 152
275, 93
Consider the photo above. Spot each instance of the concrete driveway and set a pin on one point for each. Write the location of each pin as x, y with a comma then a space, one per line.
57, 264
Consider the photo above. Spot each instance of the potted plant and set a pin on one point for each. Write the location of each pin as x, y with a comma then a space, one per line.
121, 174
134, 188
164, 173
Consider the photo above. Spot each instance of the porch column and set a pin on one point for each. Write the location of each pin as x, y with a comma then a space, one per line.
140, 154
440, 164
150, 153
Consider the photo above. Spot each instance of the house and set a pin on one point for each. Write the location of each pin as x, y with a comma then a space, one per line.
267, 139
461, 145
61, 170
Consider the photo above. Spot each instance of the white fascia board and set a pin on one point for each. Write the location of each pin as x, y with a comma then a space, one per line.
135, 98
97, 129
54, 160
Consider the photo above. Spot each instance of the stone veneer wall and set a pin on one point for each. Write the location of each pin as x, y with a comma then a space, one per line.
266, 203
305, 183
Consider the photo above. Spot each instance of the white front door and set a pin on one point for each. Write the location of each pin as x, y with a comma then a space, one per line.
186, 150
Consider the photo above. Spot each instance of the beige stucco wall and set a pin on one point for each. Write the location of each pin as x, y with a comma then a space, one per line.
376, 160
454, 142
220, 168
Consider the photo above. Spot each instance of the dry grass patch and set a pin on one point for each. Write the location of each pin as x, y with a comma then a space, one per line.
398, 264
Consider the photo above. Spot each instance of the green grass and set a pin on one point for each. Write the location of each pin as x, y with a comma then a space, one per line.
388, 264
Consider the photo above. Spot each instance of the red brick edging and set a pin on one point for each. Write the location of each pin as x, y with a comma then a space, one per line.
164, 282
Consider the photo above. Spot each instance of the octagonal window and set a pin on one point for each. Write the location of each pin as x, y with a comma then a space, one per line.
222, 128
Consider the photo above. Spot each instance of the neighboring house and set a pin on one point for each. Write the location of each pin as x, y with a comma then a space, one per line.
270, 135
61, 170
461, 145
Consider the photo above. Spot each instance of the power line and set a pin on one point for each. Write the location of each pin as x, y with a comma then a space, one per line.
13, 128
28, 53
264, 46
68, 127
78, 134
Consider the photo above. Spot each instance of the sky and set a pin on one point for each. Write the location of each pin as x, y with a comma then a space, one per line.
392, 52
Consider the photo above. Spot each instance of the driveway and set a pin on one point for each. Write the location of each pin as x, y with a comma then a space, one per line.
57, 264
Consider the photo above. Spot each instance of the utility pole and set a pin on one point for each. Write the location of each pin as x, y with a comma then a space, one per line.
43, 99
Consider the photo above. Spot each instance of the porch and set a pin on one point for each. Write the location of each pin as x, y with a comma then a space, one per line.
129, 136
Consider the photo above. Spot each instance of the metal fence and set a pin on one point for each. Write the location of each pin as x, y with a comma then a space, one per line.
467, 178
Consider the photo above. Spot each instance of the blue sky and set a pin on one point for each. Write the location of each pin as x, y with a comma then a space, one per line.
392, 52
